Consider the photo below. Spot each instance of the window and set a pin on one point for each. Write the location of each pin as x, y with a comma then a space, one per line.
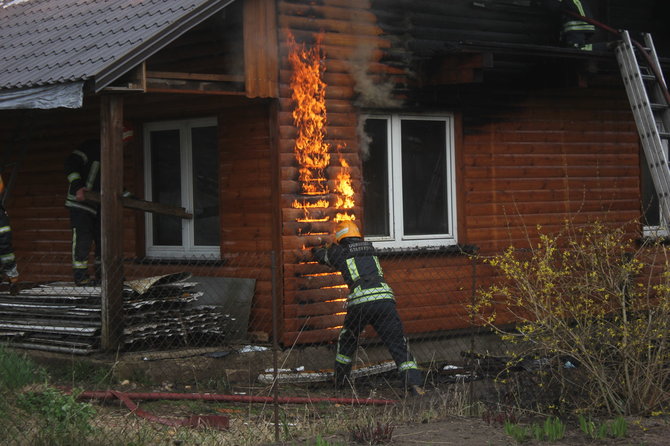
182, 169
409, 181
653, 222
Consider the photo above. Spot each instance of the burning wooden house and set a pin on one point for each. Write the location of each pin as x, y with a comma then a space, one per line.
440, 126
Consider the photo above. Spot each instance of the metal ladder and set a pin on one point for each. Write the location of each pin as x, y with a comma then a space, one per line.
649, 101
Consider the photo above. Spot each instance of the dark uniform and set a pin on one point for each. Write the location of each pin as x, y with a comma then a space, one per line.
82, 168
7, 258
574, 32
370, 301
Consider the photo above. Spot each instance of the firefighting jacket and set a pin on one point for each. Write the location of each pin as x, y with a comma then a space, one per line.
572, 24
82, 168
356, 259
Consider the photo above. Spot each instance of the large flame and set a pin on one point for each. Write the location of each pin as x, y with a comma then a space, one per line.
309, 115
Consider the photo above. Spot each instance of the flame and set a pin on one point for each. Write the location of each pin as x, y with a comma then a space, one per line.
309, 115
345, 193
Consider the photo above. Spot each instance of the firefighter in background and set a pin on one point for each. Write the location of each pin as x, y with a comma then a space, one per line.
82, 168
575, 33
7, 258
370, 301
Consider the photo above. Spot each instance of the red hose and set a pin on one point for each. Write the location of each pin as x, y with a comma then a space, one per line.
232, 398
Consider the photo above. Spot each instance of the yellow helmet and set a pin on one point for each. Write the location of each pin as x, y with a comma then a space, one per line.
346, 229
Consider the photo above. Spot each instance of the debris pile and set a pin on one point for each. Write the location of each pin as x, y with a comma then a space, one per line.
159, 312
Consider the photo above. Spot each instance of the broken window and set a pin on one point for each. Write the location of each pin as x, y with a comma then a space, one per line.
409, 181
181, 169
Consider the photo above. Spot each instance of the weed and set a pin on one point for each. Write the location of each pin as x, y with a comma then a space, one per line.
62, 419
17, 371
618, 428
372, 433
554, 429
517, 432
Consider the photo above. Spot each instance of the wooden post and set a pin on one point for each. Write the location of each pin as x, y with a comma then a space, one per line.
111, 186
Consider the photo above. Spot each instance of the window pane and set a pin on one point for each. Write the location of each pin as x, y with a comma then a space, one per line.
205, 186
166, 185
375, 179
424, 179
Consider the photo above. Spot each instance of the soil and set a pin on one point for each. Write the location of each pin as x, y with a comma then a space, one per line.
474, 432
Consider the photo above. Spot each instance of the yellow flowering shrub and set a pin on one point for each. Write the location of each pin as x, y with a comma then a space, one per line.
593, 297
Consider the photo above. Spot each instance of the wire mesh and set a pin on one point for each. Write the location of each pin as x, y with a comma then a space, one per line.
204, 326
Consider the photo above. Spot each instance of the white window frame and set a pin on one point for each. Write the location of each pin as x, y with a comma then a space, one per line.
661, 230
187, 249
397, 238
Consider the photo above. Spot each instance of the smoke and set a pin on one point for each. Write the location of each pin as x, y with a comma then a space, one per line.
372, 93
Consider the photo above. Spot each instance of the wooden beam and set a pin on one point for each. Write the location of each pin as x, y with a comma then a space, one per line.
111, 165
261, 64
146, 206
195, 76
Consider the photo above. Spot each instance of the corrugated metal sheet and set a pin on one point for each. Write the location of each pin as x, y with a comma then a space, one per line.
55, 41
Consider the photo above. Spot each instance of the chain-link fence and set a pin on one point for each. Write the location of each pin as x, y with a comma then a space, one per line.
211, 347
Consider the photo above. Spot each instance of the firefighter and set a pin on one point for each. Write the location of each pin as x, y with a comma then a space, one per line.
7, 259
82, 168
575, 33
370, 301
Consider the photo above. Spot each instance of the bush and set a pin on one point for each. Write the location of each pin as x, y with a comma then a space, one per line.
587, 297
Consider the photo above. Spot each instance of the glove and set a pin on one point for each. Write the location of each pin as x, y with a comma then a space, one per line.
319, 253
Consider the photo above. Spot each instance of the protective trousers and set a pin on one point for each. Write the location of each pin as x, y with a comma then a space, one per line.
7, 259
85, 231
383, 317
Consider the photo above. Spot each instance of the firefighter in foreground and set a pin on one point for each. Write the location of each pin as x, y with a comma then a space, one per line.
82, 168
7, 259
370, 301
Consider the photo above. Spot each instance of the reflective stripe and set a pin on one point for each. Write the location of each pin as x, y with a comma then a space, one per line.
580, 8
73, 176
407, 365
353, 269
76, 204
342, 359
578, 26
379, 266
81, 154
7, 258
369, 298
359, 292
80, 265
4, 229
92, 174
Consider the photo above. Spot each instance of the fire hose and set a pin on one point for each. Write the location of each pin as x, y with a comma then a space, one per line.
652, 65
216, 421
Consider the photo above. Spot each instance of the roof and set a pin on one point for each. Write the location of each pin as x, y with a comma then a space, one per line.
44, 42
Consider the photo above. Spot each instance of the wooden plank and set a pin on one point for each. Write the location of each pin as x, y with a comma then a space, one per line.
195, 76
146, 206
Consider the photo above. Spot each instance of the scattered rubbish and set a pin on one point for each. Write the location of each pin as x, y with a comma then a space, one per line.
300, 375
253, 348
